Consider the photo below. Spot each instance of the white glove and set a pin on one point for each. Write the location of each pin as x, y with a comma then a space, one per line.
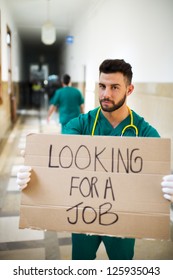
167, 187
23, 176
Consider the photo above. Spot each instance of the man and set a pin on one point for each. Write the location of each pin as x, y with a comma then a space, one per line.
68, 100
113, 118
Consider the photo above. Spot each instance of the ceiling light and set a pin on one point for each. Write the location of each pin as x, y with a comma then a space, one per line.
48, 30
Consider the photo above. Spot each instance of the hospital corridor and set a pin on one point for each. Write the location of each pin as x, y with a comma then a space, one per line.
33, 60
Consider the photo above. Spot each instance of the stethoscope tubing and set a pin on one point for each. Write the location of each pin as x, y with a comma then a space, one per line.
131, 125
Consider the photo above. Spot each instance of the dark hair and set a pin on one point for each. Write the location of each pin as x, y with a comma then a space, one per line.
117, 65
66, 79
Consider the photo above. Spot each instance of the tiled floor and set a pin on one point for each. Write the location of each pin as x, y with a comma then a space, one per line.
17, 244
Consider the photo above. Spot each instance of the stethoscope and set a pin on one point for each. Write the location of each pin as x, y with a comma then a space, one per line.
131, 125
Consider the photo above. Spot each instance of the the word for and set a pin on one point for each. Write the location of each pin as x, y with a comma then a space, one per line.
88, 187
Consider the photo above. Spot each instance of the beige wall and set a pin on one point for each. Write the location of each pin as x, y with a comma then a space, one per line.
5, 105
5, 110
5, 120
155, 102
80, 86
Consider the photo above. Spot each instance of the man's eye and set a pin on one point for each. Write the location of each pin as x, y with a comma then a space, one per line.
114, 87
101, 86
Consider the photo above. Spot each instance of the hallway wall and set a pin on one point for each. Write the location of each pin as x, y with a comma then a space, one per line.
5, 120
6, 19
16, 64
138, 31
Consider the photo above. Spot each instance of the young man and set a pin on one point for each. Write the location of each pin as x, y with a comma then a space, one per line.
68, 100
112, 118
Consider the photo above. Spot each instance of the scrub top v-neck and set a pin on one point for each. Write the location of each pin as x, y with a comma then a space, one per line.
83, 125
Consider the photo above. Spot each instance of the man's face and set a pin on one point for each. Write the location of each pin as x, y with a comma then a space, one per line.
113, 90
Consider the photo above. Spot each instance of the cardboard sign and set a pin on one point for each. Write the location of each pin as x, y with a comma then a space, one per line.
97, 184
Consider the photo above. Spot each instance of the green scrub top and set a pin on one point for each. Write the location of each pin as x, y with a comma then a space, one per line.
85, 246
68, 100
84, 123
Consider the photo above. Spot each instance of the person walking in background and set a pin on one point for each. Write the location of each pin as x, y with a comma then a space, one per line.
68, 101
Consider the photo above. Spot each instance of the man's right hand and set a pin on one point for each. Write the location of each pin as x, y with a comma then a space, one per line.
23, 176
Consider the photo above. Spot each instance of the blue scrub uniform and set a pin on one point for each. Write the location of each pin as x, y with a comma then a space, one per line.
84, 247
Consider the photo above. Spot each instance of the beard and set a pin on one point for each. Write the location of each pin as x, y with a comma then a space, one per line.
114, 107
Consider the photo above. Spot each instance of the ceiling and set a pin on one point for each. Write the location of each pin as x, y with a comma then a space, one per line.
29, 15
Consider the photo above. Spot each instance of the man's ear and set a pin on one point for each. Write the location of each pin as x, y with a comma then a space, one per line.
130, 89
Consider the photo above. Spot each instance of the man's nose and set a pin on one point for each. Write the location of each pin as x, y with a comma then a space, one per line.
107, 93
